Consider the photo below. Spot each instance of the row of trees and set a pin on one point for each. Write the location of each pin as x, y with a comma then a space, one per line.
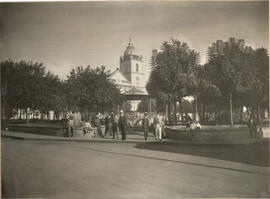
234, 76
27, 85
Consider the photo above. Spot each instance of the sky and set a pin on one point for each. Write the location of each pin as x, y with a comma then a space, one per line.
64, 35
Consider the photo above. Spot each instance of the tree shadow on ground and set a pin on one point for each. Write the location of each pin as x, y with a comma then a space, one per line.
254, 154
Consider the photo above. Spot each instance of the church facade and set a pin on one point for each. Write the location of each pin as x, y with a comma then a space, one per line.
130, 76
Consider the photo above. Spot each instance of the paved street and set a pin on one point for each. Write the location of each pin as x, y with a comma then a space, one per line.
51, 169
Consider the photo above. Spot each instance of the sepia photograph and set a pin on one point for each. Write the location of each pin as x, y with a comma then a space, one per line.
134, 99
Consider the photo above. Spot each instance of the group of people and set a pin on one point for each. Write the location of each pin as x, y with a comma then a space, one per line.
254, 131
192, 127
157, 123
114, 124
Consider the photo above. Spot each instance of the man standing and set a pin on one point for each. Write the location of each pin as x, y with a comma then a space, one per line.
70, 118
114, 125
158, 127
145, 124
97, 124
106, 125
122, 124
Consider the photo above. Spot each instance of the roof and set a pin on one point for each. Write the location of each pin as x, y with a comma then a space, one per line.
135, 94
134, 91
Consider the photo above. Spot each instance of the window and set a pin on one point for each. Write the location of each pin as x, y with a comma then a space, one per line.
137, 81
137, 67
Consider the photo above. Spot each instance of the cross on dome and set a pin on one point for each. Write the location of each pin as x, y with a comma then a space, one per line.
130, 41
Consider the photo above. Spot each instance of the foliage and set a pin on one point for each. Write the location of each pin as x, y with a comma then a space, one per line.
171, 71
22, 84
240, 71
27, 85
90, 89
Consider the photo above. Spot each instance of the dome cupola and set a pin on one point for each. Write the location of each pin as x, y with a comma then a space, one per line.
130, 50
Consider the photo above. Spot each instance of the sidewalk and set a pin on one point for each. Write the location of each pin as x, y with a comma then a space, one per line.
29, 136
135, 138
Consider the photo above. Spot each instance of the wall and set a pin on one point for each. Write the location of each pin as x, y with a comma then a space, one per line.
213, 134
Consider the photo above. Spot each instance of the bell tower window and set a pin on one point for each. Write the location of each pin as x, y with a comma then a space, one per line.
137, 67
137, 81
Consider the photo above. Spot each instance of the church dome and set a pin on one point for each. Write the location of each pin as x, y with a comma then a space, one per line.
130, 50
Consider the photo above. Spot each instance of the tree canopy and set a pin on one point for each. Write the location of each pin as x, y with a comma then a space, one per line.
91, 89
172, 70
27, 85
235, 75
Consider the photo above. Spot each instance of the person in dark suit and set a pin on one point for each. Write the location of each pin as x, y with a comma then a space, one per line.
114, 125
107, 125
145, 124
122, 124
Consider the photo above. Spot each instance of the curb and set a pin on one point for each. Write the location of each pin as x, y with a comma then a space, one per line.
164, 142
211, 144
74, 140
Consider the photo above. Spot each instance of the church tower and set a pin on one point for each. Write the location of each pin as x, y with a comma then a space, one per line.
131, 65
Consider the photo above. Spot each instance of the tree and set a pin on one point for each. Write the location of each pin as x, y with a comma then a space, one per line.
226, 66
241, 74
256, 81
22, 83
171, 70
207, 92
91, 90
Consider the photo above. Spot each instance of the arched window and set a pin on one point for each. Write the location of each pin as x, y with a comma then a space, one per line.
137, 67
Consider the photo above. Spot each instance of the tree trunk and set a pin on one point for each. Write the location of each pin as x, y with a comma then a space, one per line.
27, 119
215, 114
20, 115
252, 113
102, 108
241, 115
86, 114
231, 111
169, 112
166, 112
196, 107
150, 105
175, 118
259, 115
89, 114
180, 108
204, 114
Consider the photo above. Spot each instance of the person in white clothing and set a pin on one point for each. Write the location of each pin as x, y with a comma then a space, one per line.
158, 128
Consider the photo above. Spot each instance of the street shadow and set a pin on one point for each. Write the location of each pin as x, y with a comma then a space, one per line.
254, 154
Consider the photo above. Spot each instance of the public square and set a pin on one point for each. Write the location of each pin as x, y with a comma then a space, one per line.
59, 169
135, 99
